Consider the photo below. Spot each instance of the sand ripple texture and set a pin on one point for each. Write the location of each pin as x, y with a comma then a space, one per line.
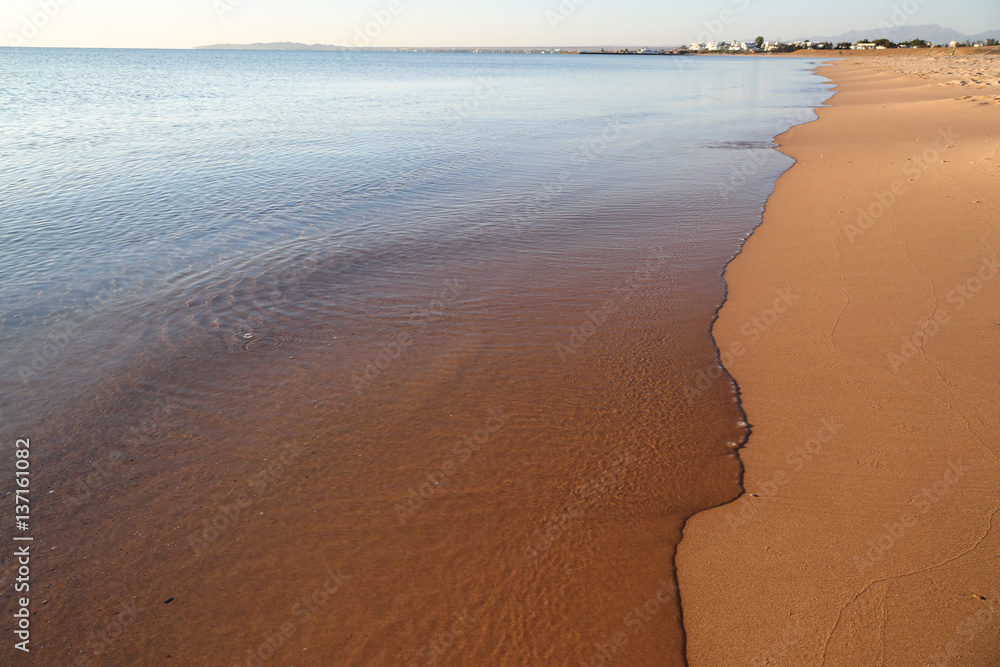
956, 70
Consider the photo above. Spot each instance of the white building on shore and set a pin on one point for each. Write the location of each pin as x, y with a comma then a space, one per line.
720, 46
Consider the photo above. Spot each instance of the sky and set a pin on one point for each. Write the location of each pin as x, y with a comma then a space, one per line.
429, 23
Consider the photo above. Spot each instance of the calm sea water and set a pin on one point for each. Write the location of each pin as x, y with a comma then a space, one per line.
294, 283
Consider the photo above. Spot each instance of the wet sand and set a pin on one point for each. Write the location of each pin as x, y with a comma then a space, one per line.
444, 473
866, 534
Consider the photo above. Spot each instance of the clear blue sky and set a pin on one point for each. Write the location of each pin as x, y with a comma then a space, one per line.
186, 23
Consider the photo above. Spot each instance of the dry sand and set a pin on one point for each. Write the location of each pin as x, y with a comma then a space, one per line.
866, 536
958, 70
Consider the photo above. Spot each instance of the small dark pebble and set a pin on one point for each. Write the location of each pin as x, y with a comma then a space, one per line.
169, 601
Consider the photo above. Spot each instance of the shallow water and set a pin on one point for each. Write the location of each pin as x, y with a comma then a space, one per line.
437, 322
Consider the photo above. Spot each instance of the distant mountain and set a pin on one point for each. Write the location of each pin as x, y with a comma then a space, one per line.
983, 36
904, 33
276, 46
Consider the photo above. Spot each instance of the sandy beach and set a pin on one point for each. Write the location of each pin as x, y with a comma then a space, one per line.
866, 533
377, 390
957, 70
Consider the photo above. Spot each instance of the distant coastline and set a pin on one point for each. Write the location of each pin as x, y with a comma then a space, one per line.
801, 52
275, 46
296, 46
709, 41
758, 47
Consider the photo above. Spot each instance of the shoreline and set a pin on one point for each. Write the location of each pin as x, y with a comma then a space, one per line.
834, 548
371, 379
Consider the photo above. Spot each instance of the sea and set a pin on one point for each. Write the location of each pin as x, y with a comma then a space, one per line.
348, 358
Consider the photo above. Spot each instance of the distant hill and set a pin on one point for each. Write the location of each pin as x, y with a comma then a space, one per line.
276, 46
932, 33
